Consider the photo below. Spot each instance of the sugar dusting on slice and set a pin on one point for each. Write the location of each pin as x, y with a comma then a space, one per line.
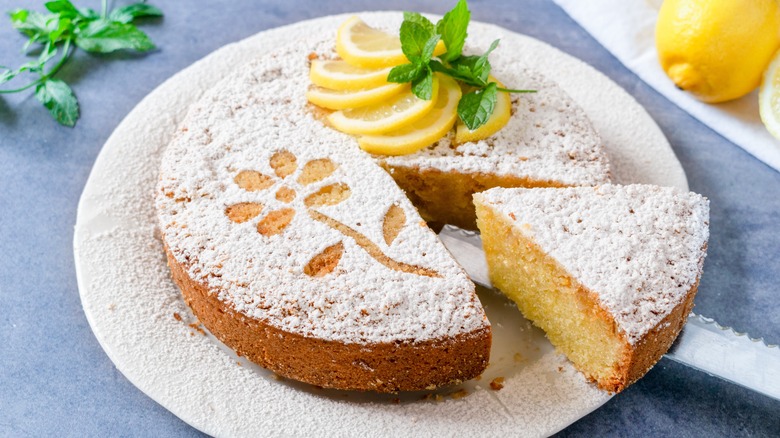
640, 248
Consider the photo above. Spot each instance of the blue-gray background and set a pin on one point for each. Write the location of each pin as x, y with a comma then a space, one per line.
55, 378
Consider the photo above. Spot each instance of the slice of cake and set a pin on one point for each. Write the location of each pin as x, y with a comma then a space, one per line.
296, 250
609, 272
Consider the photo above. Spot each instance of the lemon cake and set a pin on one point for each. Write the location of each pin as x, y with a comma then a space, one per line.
294, 248
608, 272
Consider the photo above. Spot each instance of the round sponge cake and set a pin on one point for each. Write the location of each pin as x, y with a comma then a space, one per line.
294, 248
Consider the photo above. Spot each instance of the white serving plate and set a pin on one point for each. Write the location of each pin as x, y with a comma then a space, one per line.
130, 300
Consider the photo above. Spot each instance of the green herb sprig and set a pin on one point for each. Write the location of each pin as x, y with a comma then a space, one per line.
419, 37
60, 32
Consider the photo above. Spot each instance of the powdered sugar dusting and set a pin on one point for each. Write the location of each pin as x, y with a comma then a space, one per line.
640, 248
239, 125
548, 138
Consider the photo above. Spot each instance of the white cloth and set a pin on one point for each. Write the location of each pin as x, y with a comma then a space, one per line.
627, 29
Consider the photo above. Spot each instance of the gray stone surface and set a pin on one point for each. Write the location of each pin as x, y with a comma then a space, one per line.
55, 378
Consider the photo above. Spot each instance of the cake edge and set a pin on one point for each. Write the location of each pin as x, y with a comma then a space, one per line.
383, 367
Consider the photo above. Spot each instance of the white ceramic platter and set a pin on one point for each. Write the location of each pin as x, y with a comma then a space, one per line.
140, 319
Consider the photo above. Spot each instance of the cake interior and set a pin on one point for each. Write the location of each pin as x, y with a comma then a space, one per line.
446, 197
554, 301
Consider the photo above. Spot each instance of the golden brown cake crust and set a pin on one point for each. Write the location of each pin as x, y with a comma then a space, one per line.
637, 359
652, 346
381, 367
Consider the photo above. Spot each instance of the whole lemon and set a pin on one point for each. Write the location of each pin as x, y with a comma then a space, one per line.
717, 49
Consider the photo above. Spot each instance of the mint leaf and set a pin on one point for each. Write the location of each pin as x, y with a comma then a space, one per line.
429, 47
59, 99
461, 74
63, 7
415, 17
18, 16
474, 70
31, 66
452, 28
482, 66
404, 73
422, 86
475, 108
7, 75
65, 28
49, 51
89, 14
35, 25
137, 10
413, 40
103, 36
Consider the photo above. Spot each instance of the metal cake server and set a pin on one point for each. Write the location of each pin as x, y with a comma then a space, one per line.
703, 344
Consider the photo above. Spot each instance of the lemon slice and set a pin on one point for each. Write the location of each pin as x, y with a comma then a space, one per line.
769, 97
424, 132
341, 99
400, 110
339, 75
363, 46
499, 119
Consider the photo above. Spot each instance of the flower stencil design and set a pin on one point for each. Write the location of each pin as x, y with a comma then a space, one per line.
284, 164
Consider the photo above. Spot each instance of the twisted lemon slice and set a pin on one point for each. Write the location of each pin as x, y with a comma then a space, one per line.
401, 110
363, 46
424, 132
340, 75
341, 99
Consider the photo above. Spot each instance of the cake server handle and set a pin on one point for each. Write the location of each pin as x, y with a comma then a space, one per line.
702, 344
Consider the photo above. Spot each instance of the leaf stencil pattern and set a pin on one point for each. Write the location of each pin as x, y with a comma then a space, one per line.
284, 163
329, 195
371, 248
325, 262
275, 222
243, 211
316, 170
395, 219
253, 181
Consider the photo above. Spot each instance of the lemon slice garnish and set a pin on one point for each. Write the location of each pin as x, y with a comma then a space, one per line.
769, 97
501, 113
424, 132
341, 99
398, 111
363, 46
339, 75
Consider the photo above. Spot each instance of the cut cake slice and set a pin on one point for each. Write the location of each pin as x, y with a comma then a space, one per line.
608, 272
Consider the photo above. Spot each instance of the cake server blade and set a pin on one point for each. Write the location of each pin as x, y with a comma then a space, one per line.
703, 344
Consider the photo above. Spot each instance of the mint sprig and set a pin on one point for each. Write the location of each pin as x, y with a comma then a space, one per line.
58, 33
419, 38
